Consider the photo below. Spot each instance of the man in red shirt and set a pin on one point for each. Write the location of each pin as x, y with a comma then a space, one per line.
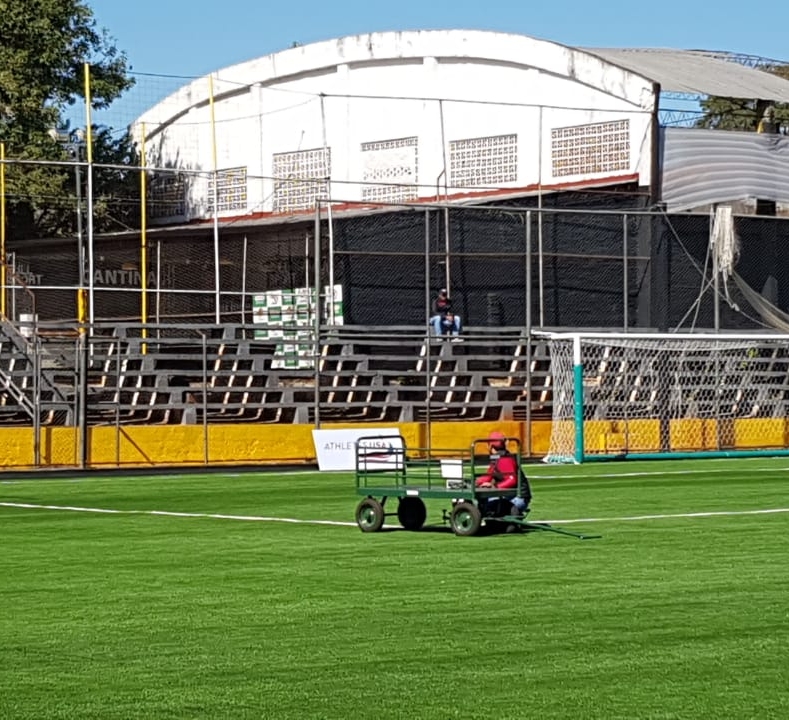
503, 472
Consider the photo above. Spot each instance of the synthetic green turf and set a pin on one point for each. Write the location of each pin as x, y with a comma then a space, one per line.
121, 616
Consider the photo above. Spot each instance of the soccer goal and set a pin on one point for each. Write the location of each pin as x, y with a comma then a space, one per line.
654, 396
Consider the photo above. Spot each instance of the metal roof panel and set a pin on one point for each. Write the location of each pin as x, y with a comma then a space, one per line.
701, 72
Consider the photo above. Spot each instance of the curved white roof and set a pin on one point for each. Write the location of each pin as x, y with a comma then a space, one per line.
323, 58
683, 71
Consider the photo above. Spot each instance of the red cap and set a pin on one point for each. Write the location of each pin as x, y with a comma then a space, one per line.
497, 439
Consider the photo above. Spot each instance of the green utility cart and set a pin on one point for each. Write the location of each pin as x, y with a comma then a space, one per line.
388, 471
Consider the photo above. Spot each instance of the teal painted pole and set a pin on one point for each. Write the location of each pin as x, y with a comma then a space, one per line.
578, 400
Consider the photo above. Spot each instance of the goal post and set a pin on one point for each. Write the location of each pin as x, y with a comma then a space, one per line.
656, 395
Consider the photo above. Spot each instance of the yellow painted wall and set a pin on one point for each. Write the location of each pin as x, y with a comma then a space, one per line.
686, 435
752, 433
192, 445
693, 434
739, 434
611, 437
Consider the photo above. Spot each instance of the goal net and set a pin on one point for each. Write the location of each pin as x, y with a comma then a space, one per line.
668, 395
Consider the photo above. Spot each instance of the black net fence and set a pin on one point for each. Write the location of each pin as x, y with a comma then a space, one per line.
528, 265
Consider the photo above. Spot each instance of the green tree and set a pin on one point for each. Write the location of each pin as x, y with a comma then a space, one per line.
44, 45
738, 114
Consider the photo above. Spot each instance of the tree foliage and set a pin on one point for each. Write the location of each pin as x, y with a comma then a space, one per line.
722, 113
44, 45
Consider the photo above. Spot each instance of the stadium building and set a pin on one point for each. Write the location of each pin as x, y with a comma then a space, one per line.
407, 116
402, 117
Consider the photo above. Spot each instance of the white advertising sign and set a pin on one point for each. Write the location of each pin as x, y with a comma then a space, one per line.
336, 449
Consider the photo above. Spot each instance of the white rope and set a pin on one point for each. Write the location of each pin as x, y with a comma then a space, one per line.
726, 246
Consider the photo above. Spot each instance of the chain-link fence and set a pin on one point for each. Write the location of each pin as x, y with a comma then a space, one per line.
607, 267
618, 269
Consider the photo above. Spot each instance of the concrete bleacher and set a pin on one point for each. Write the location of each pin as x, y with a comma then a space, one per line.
175, 374
29, 388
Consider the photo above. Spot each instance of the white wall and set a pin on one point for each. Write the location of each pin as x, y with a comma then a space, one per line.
438, 86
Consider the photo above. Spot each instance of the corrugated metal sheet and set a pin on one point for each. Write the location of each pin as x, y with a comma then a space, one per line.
710, 166
697, 72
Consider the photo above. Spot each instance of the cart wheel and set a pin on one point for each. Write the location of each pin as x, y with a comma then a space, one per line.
369, 515
466, 519
411, 512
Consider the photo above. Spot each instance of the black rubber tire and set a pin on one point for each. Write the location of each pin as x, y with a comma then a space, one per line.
466, 519
370, 515
411, 512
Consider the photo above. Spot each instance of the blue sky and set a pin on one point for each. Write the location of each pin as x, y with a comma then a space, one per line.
176, 37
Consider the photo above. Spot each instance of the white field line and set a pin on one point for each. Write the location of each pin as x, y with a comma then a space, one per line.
263, 518
670, 516
166, 513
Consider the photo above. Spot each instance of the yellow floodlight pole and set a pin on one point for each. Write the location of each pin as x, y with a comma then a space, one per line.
2, 230
89, 157
143, 237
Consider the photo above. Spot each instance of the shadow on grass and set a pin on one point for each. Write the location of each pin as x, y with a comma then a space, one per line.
489, 530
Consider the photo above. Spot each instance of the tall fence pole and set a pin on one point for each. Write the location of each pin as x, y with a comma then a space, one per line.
83, 350
625, 289
625, 321
713, 244
330, 253
539, 218
541, 269
244, 250
2, 231
158, 296
36, 395
204, 344
329, 220
527, 325
316, 310
215, 175
427, 345
143, 238
445, 173
118, 435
